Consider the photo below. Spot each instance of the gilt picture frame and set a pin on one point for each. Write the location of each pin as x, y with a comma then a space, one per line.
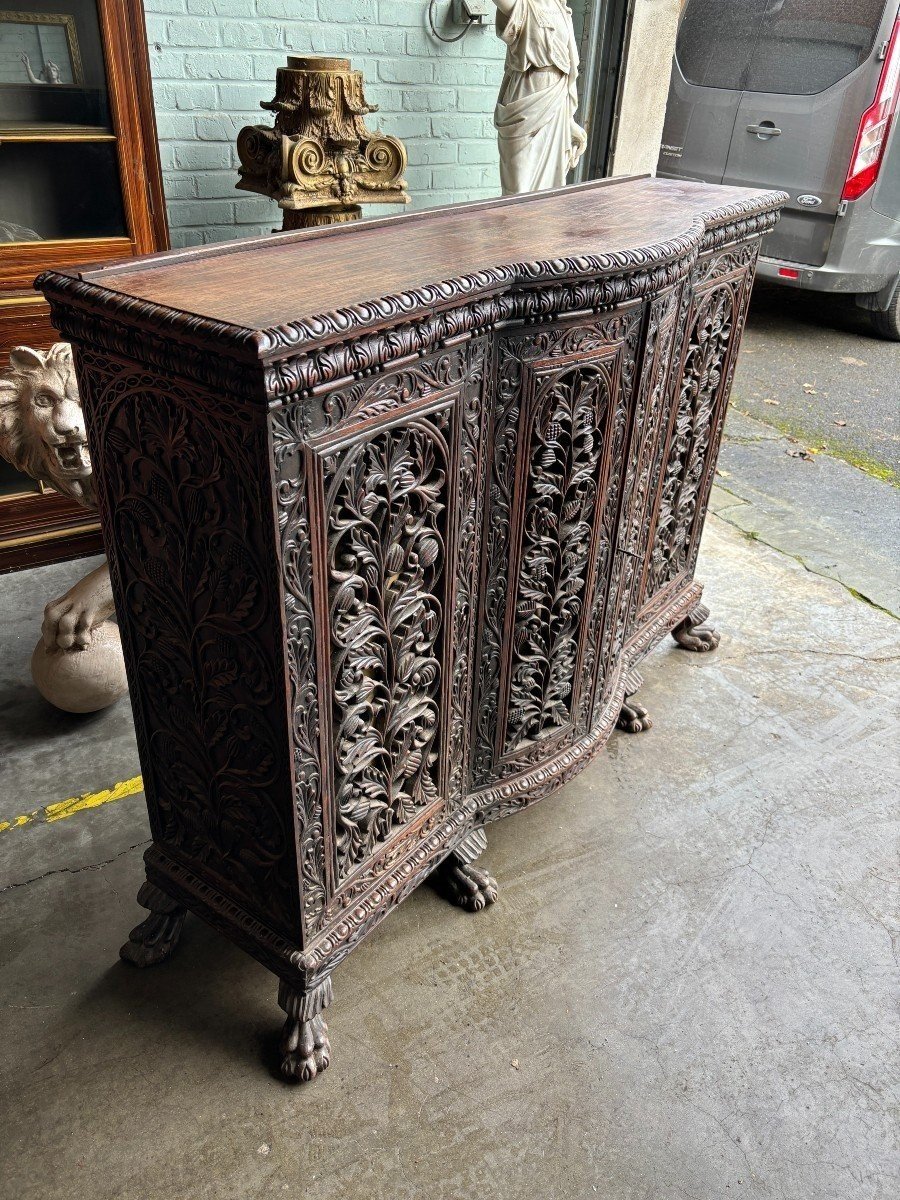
43, 38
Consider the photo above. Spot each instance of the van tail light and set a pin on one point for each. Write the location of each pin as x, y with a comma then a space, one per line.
875, 125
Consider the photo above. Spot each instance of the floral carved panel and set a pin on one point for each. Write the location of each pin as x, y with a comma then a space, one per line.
713, 334
634, 447
567, 438
394, 468
386, 503
558, 390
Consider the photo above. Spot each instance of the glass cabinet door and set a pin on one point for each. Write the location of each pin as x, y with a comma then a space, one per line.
80, 182
59, 171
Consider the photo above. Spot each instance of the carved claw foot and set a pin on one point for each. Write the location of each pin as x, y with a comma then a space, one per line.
305, 1049
693, 633
466, 886
462, 883
633, 717
155, 939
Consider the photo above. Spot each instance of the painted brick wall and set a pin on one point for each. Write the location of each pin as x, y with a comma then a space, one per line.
213, 61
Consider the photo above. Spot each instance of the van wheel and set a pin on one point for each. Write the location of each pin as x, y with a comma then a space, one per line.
887, 324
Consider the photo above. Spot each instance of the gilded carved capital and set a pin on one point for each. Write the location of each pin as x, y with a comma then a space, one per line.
320, 155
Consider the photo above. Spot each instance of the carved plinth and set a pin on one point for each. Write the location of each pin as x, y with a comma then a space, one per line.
320, 162
389, 531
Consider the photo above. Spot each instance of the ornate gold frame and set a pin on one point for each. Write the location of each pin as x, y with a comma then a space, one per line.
12, 17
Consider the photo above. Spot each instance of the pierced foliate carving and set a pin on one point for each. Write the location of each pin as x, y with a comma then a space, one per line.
564, 376
601, 627
453, 382
704, 371
386, 558
470, 479
498, 541
566, 446
636, 498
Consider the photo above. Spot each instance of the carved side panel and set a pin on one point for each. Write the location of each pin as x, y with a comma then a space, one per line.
552, 470
721, 291
741, 260
183, 480
289, 427
380, 488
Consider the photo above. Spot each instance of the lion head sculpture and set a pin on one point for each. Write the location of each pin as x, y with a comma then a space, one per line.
41, 423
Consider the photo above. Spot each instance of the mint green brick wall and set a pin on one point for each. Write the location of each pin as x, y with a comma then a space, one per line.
213, 61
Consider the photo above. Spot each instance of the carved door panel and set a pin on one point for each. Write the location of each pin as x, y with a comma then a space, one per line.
380, 589
700, 386
560, 416
647, 424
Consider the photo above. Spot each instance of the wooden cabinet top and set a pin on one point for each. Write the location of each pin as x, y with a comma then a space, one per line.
288, 291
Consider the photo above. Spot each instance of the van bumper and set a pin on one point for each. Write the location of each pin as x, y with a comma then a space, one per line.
826, 278
863, 258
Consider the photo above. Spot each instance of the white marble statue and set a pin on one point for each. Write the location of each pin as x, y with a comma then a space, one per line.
49, 75
78, 663
540, 140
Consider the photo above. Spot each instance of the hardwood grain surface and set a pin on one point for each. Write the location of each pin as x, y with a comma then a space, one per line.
325, 269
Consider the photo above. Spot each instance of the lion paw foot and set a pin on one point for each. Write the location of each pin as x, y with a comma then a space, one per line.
633, 717
305, 1049
467, 886
699, 639
155, 939
694, 634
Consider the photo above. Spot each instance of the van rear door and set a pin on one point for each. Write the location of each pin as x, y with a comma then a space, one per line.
812, 71
715, 42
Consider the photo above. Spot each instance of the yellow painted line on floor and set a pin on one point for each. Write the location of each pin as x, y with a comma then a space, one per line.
77, 804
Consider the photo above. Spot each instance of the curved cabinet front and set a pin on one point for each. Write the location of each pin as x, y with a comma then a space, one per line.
384, 575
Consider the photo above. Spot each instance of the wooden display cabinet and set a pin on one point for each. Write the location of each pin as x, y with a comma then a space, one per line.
80, 182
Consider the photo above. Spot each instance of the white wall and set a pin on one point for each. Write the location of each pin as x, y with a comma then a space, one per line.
646, 86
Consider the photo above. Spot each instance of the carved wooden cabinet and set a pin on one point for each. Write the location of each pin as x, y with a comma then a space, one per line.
393, 511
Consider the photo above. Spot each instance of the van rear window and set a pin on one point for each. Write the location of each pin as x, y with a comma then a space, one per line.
794, 47
716, 39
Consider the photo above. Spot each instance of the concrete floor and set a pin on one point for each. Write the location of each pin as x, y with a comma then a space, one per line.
683, 993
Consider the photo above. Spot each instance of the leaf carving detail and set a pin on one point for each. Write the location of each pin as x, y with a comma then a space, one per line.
385, 564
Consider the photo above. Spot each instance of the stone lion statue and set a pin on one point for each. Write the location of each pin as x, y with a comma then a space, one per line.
42, 433
41, 423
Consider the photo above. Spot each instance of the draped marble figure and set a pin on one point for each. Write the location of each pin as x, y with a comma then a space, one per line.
540, 140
